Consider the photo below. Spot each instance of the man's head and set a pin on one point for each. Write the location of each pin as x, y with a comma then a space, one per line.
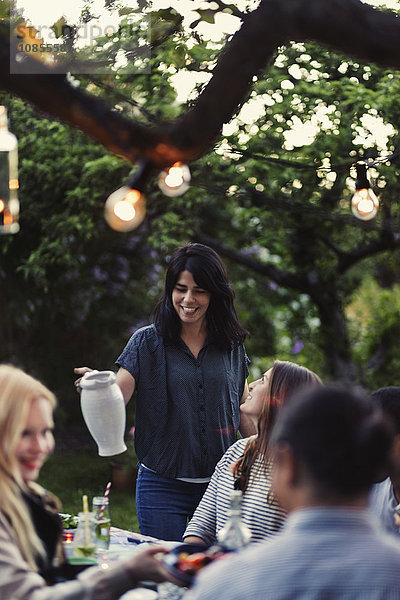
329, 445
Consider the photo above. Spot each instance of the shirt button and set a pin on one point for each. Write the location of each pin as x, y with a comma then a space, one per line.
201, 386
202, 407
203, 430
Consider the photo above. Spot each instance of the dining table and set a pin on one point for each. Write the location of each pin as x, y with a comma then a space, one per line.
124, 543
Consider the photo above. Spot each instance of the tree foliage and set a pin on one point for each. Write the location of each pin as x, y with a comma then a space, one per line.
277, 211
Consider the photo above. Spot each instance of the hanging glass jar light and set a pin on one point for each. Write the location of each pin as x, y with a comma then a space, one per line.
9, 205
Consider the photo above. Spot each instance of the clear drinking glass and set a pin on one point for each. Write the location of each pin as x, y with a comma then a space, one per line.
84, 544
103, 522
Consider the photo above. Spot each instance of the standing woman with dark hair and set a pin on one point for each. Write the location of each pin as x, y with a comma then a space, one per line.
247, 464
189, 370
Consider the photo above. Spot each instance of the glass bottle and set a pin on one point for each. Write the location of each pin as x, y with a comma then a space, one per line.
84, 544
103, 524
235, 534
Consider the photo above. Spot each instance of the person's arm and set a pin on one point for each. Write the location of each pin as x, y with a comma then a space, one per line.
215, 501
126, 383
194, 539
19, 582
246, 426
203, 524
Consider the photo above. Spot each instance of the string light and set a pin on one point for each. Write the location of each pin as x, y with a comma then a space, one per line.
9, 205
364, 203
125, 209
175, 180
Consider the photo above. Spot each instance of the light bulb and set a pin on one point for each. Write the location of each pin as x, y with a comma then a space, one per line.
175, 180
125, 209
364, 204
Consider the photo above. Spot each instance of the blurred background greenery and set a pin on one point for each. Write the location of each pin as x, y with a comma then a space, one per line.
71, 474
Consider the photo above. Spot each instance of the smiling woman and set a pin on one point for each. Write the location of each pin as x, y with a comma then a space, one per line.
189, 370
31, 556
190, 301
36, 441
258, 390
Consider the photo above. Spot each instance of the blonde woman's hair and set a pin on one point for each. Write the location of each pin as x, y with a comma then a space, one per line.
17, 390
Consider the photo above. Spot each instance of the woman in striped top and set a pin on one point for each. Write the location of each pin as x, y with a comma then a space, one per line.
247, 464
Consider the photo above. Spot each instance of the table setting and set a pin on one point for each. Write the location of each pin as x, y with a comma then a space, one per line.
182, 562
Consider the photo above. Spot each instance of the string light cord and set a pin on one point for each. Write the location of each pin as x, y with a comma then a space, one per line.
261, 200
139, 178
120, 97
316, 167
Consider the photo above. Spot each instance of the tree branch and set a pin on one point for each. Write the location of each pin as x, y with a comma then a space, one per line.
266, 269
348, 26
384, 242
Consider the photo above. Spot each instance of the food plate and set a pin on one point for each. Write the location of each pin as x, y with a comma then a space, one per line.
186, 560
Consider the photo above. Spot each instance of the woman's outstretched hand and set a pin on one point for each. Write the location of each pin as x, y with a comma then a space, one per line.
80, 371
148, 564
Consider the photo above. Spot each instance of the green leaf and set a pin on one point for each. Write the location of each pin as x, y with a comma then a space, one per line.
167, 14
4, 9
58, 27
207, 15
179, 57
125, 11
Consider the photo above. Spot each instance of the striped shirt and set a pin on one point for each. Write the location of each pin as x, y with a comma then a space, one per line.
381, 504
322, 553
264, 517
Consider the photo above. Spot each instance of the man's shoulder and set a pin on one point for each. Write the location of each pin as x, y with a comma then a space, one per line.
275, 567
219, 575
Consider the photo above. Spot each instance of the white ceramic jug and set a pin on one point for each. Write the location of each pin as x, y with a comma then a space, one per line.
103, 409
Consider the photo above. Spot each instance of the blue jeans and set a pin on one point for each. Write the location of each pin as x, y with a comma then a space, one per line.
164, 506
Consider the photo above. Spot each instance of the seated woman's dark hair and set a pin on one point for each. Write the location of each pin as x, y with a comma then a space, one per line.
339, 438
209, 273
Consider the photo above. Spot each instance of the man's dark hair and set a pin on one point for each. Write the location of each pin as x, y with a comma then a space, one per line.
388, 398
339, 437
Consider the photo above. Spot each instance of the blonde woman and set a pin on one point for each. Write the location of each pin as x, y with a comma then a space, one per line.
247, 464
30, 529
